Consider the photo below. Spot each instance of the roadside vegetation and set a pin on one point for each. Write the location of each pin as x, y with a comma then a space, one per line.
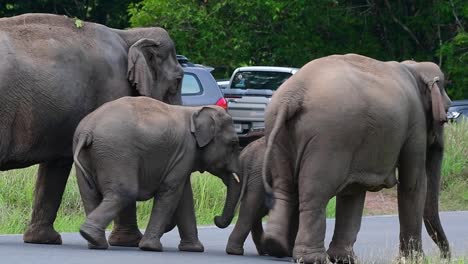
454, 187
16, 191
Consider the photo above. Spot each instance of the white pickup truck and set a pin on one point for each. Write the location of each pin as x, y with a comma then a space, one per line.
248, 93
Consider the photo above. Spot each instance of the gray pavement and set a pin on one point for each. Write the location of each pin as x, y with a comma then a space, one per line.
377, 243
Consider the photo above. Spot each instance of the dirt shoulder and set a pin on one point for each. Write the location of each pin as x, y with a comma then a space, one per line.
383, 202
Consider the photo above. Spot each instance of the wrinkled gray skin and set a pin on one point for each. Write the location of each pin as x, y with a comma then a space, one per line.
252, 205
341, 126
137, 148
53, 74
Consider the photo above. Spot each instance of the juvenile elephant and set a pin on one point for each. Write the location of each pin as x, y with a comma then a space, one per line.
252, 202
341, 126
52, 74
138, 148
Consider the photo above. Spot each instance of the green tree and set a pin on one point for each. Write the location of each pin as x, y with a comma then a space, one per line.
230, 33
453, 51
112, 13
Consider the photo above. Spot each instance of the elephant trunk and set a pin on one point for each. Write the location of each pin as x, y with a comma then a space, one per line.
431, 208
234, 195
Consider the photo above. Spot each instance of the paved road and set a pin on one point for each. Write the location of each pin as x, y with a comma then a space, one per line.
377, 243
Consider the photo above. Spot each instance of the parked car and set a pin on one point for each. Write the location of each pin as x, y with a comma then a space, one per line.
198, 85
200, 88
185, 62
458, 111
248, 93
223, 84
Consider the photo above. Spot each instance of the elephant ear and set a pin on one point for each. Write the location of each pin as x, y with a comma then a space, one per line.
139, 70
438, 110
202, 125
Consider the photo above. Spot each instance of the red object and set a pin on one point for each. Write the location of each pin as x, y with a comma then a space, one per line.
223, 103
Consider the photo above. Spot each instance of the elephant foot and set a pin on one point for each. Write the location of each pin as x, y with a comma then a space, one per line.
235, 250
125, 238
94, 235
413, 257
42, 235
404, 260
92, 246
147, 244
191, 246
304, 255
341, 255
262, 252
411, 251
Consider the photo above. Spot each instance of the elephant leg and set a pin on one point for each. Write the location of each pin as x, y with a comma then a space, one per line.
250, 209
118, 185
293, 231
50, 185
164, 207
276, 238
348, 222
171, 226
187, 223
93, 229
90, 196
317, 183
411, 198
125, 232
257, 233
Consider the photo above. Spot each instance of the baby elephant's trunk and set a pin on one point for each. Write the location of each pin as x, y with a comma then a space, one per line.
234, 195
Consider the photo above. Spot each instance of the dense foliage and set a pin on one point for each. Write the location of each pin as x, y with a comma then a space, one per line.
230, 33
112, 13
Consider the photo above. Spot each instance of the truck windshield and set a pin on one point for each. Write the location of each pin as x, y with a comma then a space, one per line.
259, 80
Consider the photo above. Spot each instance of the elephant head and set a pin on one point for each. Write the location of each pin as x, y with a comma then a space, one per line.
218, 147
153, 69
430, 82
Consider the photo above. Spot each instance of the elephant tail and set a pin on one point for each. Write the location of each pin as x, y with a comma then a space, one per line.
84, 140
280, 120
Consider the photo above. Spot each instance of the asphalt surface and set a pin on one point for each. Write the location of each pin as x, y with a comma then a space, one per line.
377, 243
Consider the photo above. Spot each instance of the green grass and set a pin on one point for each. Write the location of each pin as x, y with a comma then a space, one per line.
16, 194
16, 191
454, 188
432, 260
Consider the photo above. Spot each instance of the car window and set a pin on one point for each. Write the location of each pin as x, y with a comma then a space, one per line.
191, 85
259, 80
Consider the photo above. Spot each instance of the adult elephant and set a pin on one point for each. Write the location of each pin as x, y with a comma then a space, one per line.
341, 126
53, 72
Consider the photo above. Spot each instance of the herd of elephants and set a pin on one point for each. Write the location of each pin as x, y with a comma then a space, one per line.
109, 100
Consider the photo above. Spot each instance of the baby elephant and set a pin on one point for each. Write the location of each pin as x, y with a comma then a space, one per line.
252, 207
137, 148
